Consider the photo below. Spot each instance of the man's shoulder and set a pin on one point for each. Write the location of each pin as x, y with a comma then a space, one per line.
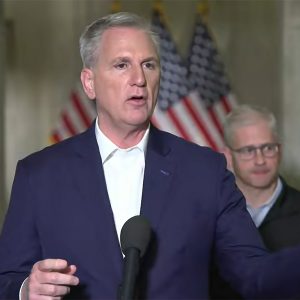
179, 145
289, 198
291, 192
189, 157
59, 151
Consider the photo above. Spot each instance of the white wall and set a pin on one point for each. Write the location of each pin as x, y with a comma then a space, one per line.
290, 104
249, 34
43, 63
2, 78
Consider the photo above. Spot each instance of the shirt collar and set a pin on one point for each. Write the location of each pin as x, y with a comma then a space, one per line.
276, 193
108, 148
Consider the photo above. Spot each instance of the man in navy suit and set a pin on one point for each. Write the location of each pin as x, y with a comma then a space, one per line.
253, 152
69, 201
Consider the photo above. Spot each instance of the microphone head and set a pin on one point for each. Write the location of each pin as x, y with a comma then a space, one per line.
135, 233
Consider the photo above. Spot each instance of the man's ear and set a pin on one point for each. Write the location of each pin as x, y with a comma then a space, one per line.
226, 151
87, 80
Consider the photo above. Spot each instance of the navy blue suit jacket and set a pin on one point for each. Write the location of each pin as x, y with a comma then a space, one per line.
60, 209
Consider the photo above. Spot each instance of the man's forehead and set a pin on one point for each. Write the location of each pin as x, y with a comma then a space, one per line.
253, 134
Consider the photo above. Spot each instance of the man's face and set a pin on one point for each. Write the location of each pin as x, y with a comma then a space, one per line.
260, 172
125, 81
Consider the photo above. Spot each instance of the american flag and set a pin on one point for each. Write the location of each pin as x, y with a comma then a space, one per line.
195, 97
76, 117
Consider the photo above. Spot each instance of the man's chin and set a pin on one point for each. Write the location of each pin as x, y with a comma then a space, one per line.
139, 121
262, 183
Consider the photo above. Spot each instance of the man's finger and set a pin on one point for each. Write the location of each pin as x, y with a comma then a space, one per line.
53, 278
71, 269
52, 290
60, 278
49, 265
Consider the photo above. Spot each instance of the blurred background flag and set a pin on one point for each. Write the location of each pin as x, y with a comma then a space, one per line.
76, 116
79, 112
174, 85
207, 76
194, 97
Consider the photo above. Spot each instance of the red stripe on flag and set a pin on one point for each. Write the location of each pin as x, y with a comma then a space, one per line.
199, 122
68, 124
80, 109
215, 120
225, 104
176, 122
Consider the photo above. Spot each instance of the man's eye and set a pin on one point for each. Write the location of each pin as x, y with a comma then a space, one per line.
269, 147
121, 66
248, 150
150, 65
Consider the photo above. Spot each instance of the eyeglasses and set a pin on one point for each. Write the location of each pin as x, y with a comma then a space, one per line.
268, 150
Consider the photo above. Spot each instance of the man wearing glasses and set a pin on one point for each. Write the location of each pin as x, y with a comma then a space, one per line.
253, 153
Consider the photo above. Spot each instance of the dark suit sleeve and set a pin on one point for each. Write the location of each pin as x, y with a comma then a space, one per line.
237, 238
241, 256
19, 245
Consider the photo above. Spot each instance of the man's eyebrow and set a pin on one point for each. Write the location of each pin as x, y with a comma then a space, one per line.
151, 58
121, 58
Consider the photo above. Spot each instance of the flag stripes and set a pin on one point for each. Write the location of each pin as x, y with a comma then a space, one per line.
196, 108
84, 116
75, 117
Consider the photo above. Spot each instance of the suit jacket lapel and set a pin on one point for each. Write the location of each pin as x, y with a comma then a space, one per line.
159, 170
88, 174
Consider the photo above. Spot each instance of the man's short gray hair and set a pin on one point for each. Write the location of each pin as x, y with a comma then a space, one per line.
244, 115
91, 37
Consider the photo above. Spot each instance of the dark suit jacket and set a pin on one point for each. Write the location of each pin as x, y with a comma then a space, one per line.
60, 209
281, 226
279, 229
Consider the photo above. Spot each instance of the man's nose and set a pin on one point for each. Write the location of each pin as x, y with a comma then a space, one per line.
259, 157
138, 76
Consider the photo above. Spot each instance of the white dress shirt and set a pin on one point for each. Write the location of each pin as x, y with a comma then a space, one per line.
124, 176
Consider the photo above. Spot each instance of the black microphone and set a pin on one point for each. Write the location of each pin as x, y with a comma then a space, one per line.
134, 238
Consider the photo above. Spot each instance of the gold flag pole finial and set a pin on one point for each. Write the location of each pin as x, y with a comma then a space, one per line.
158, 5
203, 9
116, 6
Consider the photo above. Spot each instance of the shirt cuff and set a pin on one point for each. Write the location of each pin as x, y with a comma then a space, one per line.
23, 293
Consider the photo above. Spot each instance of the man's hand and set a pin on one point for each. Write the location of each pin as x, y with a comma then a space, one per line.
50, 279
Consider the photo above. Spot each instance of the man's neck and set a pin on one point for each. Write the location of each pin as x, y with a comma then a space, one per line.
256, 197
125, 137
